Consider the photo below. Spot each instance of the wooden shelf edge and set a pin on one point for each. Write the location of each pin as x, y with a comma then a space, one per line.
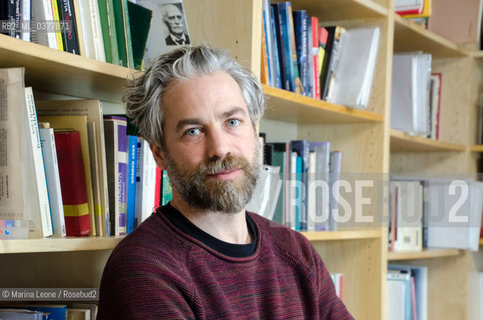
427, 253
374, 7
402, 141
351, 114
430, 36
30, 51
342, 235
477, 148
58, 244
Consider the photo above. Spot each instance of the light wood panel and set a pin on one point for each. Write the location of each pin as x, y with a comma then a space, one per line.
404, 142
359, 261
426, 253
60, 72
410, 37
477, 148
342, 235
58, 244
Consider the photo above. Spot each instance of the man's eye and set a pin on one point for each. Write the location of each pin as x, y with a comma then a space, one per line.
192, 132
233, 122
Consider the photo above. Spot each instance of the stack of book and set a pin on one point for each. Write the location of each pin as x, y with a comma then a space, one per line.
120, 32
319, 62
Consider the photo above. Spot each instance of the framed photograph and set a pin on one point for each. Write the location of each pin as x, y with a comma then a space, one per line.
169, 28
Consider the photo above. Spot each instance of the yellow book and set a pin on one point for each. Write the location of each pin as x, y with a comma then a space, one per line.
426, 11
58, 31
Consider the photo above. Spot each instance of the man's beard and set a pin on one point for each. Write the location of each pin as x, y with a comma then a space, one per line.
200, 191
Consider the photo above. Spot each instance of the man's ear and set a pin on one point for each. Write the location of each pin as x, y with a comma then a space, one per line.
158, 154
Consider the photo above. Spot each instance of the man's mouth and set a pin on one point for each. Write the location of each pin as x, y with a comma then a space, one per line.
226, 174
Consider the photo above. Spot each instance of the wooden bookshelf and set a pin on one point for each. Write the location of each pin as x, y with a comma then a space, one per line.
64, 73
404, 142
426, 253
58, 244
342, 235
477, 148
287, 106
334, 10
410, 37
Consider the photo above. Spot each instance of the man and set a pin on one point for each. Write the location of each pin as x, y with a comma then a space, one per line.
203, 256
173, 18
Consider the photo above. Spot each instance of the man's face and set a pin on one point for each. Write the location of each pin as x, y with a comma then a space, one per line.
211, 146
174, 19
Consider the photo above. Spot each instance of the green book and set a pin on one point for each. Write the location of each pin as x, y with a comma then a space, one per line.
140, 22
127, 33
119, 30
109, 5
105, 29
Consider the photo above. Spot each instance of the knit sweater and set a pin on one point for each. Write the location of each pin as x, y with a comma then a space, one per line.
161, 272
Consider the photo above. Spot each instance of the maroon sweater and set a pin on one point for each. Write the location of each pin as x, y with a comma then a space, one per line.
161, 272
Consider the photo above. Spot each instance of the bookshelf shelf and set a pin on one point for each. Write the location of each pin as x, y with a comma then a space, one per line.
62, 72
411, 37
58, 244
477, 148
427, 253
342, 235
332, 10
478, 54
287, 106
403, 142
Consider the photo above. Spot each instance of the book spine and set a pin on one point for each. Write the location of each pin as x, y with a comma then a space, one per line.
58, 32
104, 20
167, 192
71, 41
95, 181
301, 39
286, 38
145, 182
315, 57
42, 11
49, 152
127, 34
158, 188
97, 31
84, 32
113, 33
297, 83
131, 183
26, 16
121, 37
73, 183
39, 179
335, 170
122, 168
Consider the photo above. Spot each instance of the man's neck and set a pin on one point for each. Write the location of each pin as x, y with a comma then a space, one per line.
228, 227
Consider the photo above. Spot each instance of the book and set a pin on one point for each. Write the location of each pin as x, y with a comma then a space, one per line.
92, 109
58, 31
169, 28
335, 172
51, 165
79, 124
318, 187
323, 37
435, 103
42, 11
315, 58
116, 156
20, 314
166, 190
39, 196
352, 76
280, 158
301, 45
335, 38
140, 23
270, 44
108, 25
84, 27
425, 13
302, 149
405, 7
12, 126
95, 178
72, 182
145, 182
97, 31
131, 182
70, 33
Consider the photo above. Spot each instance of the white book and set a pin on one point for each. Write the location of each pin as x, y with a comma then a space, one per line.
96, 31
95, 177
11, 146
145, 182
53, 181
38, 198
42, 11
26, 17
85, 26
354, 72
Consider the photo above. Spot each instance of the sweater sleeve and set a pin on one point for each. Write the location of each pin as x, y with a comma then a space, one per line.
136, 286
330, 306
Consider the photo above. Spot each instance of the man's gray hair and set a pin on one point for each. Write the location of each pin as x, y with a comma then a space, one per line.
144, 94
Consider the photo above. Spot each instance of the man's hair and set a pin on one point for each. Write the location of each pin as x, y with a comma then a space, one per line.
144, 94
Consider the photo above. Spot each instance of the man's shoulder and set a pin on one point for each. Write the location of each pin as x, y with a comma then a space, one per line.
285, 241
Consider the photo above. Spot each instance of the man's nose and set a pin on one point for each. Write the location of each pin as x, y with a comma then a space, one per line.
218, 144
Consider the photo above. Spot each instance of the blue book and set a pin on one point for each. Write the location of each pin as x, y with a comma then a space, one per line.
302, 149
279, 44
132, 142
292, 78
299, 198
50, 312
301, 44
275, 45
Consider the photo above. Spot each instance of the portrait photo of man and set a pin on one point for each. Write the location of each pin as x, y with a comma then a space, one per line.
173, 18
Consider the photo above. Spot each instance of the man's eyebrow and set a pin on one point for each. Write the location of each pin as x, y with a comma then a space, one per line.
184, 122
232, 111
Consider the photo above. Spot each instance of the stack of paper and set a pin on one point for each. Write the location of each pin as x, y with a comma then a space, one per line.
411, 83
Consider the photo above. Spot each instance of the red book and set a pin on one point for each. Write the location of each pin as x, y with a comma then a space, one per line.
157, 188
315, 57
72, 183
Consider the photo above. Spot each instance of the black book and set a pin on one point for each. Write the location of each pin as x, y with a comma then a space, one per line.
69, 32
